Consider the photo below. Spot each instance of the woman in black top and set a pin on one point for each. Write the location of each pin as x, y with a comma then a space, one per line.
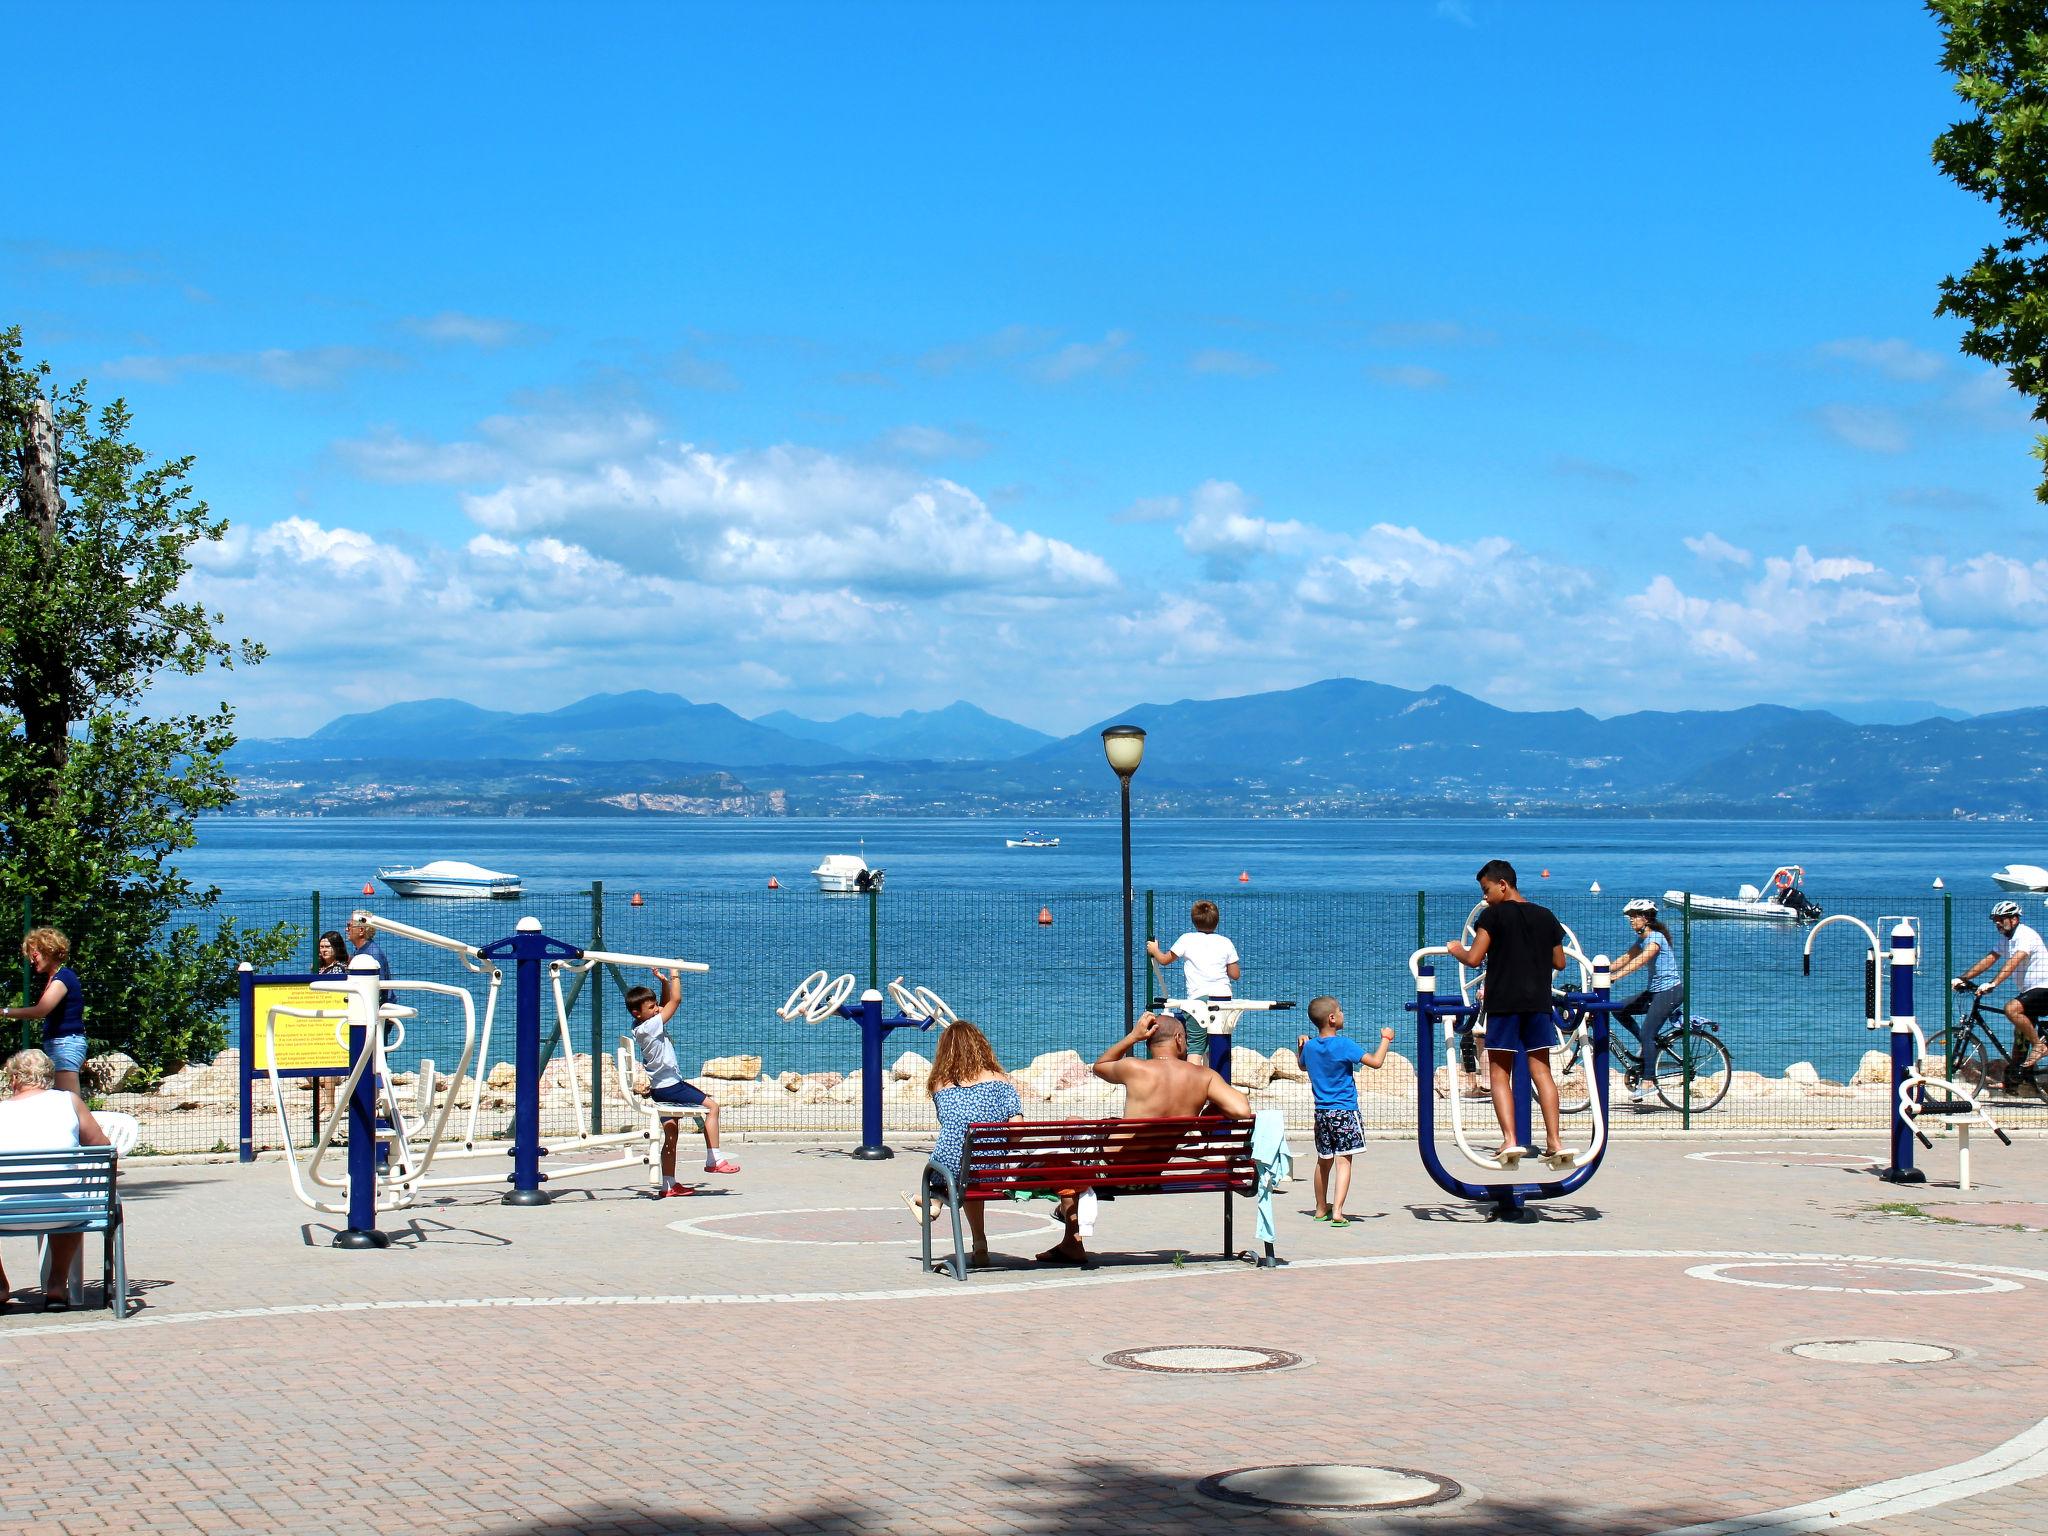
60, 1004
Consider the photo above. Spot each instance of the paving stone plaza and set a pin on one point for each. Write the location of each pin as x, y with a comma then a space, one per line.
1746, 1336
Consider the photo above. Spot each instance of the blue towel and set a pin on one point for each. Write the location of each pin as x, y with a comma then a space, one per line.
1275, 1162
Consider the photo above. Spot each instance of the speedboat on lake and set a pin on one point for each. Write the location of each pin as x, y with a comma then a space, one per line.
449, 877
2022, 877
1782, 901
1031, 840
841, 874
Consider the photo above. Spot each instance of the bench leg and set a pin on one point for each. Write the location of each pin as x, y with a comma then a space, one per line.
119, 1238
1229, 1212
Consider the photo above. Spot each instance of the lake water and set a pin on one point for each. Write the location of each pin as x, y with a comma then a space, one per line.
1330, 906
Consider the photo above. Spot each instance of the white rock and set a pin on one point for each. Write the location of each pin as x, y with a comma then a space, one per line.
1395, 1069
1287, 1066
738, 1069
790, 1082
1034, 1083
1802, 1072
107, 1074
846, 1092
1875, 1067
909, 1066
503, 1075
1248, 1069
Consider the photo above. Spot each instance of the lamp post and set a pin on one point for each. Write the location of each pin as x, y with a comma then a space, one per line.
1124, 746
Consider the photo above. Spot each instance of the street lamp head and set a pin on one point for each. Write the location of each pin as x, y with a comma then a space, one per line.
1124, 746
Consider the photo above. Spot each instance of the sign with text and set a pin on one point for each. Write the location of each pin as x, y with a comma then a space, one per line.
303, 1045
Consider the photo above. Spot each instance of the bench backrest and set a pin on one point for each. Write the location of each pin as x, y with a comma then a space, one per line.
71, 1189
1202, 1153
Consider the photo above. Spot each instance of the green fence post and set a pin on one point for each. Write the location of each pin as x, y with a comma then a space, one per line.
596, 1015
1421, 920
1151, 933
874, 940
1684, 1017
1948, 996
315, 936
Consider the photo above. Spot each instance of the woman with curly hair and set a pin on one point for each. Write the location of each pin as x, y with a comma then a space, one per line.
60, 1003
968, 1087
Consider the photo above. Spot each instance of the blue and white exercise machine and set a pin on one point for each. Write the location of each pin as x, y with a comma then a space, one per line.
1888, 974
348, 1027
1584, 1012
820, 996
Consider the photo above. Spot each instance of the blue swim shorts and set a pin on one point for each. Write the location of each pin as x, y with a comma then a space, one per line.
1521, 1031
1339, 1133
67, 1052
681, 1091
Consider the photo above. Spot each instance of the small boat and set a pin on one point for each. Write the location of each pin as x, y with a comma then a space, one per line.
1031, 840
2022, 877
1783, 900
449, 877
842, 874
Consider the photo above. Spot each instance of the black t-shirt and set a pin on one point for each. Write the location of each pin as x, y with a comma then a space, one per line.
1520, 939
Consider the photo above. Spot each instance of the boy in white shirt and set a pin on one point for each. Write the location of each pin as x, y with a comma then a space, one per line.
669, 1086
1209, 965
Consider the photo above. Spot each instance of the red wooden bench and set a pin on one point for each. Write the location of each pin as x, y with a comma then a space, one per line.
1119, 1159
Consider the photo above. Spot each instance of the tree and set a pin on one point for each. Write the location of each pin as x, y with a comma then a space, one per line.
97, 794
1998, 52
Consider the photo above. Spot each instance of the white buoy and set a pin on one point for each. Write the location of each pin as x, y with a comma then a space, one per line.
1937, 882
1596, 888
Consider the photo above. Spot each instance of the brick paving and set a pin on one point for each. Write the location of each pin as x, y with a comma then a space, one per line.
590, 1368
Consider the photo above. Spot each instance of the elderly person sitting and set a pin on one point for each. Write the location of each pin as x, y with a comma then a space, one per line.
36, 1117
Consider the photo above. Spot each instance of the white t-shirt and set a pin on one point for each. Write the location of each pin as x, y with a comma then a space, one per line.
2034, 973
657, 1052
1208, 958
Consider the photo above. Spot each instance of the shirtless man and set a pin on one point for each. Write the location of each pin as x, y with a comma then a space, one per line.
1167, 1086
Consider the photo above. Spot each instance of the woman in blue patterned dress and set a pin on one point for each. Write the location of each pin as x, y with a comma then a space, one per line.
968, 1087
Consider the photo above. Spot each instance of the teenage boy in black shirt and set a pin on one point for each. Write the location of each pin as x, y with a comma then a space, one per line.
1522, 947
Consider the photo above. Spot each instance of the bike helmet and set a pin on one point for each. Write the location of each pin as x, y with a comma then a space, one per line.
1642, 906
2006, 909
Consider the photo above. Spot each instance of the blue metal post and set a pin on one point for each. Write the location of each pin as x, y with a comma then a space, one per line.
1902, 1170
363, 1000
872, 1033
529, 949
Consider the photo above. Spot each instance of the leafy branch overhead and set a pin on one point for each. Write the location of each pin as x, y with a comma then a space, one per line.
98, 794
1998, 52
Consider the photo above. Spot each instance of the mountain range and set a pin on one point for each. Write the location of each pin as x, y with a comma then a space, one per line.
1341, 746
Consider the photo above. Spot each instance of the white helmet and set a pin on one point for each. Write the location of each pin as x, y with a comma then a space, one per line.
1642, 906
2006, 909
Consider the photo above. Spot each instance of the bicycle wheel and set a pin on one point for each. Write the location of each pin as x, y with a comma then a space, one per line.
1566, 1073
1972, 1063
1696, 1057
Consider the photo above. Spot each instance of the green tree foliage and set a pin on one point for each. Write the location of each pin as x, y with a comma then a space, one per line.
1998, 52
97, 793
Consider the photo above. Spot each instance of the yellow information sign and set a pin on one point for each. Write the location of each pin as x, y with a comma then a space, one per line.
302, 1044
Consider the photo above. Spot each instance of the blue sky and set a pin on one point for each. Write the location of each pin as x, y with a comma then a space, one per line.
1055, 357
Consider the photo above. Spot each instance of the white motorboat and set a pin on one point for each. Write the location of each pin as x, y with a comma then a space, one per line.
450, 877
1031, 840
841, 874
2022, 877
1782, 900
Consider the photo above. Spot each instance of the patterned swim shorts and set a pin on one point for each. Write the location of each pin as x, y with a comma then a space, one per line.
1339, 1133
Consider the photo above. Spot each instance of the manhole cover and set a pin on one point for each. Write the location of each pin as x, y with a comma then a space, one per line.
1329, 1487
1874, 1351
1204, 1359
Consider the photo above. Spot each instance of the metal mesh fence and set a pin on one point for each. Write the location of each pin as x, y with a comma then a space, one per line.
1041, 989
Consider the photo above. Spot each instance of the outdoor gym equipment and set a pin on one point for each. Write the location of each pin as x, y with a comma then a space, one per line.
1217, 1017
819, 997
1959, 1108
1586, 1011
383, 1170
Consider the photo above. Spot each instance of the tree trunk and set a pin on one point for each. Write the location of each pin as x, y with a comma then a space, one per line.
43, 694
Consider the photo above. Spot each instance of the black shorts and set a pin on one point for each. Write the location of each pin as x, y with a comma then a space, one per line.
682, 1091
2034, 1003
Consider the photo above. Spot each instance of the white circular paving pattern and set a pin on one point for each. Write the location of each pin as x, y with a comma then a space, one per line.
1874, 1351
1854, 1277
854, 1226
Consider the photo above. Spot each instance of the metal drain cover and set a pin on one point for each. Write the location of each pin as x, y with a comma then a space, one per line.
1874, 1351
1204, 1359
1329, 1488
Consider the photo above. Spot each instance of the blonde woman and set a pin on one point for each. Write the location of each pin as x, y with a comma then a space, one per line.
37, 1116
60, 1004
968, 1087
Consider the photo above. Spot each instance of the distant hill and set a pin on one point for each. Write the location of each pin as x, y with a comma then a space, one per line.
958, 733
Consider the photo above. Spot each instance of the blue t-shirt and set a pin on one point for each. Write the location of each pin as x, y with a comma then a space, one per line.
371, 949
1328, 1060
1664, 971
68, 1017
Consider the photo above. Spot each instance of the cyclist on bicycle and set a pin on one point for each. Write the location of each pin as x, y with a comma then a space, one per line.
2019, 948
1653, 1008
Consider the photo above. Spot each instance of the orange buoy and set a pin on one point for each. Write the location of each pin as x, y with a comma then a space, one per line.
1244, 877
1546, 874
369, 889
774, 884
1045, 917
636, 901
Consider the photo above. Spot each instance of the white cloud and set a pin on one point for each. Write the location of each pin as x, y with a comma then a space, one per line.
922, 442
1078, 358
276, 367
1715, 550
1891, 357
1987, 591
1872, 428
1410, 376
452, 327
1224, 534
1150, 509
1228, 363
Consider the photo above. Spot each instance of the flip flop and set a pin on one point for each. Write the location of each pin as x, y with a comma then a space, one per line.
56, 1303
1052, 1258
1340, 1221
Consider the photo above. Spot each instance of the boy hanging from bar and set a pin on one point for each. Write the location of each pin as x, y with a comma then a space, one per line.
668, 1085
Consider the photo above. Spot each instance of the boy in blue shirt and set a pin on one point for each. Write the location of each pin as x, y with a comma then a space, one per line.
1329, 1059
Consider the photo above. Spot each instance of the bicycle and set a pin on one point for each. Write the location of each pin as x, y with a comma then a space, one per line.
1972, 1044
1696, 1069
